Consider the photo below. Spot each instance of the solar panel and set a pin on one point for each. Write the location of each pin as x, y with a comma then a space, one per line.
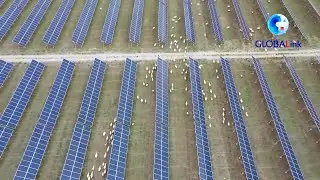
202, 143
74, 162
163, 21
18, 102
242, 22
282, 134
10, 16
188, 21
136, 21
243, 140
5, 69
39, 140
82, 28
54, 30
263, 10
318, 59
110, 22
26, 31
216, 27
119, 150
303, 92
161, 138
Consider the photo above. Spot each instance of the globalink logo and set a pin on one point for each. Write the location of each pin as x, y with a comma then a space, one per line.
278, 25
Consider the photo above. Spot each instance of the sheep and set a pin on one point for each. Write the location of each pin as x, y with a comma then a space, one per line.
214, 95
209, 84
146, 76
110, 124
247, 114
242, 107
141, 100
211, 91
147, 84
187, 113
217, 76
210, 125
143, 83
241, 75
204, 82
93, 168
91, 175
108, 149
186, 89
104, 134
205, 98
241, 100
239, 93
228, 123
209, 117
105, 155
145, 101
132, 124
186, 103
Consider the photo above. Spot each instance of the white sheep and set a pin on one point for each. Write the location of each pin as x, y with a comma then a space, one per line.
104, 134
93, 168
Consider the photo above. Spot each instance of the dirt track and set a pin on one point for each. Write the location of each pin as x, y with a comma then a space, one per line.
208, 55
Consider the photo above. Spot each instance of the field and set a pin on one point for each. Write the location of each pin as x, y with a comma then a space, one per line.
233, 37
183, 158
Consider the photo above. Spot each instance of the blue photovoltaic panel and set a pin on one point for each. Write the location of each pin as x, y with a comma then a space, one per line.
318, 59
26, 31
118, 155
5, 69
161, 138
110, 22
54, 30
243, 140
263, 10
216, 26
79, 142
202, 143
242, 22
39, 140
136, 21
10, 16
18, 102
2, 2
303, 92
282, 134
163, 21
81, 31
292, 15
188, 21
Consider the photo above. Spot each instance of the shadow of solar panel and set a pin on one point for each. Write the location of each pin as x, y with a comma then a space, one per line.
216, 27
243, 140
5, 69
202, 143
53, 32
39, 140
161, 138
119, 149
273, 110
26, 31
243, 25
136, 21
110, 22
19, 100
303, 92
10, 16
81, 30
74, 162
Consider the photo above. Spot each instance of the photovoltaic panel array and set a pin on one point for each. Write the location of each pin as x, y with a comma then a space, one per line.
202, 143
161, 137
216, 26
18, 102
110, 22
304, 35
5, 69
282, 134
10, 16
188, 21
119, 150
163, 21
26, 31
263, 10
242, 22
243, 139
74, 161
306, 99
53, 32
39, 140
136, 21
82, 28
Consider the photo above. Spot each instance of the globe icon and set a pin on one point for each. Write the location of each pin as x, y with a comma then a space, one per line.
278, 24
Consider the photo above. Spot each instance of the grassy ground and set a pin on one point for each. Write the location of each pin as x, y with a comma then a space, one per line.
233, 37
183, 156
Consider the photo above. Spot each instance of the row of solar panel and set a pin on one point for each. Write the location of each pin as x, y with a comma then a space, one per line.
243, 139
216, 27
5, 69
263, 10
303, 93
136, 21
163, 22
242, 22
202, 143
161, 136
281, 132
188, 21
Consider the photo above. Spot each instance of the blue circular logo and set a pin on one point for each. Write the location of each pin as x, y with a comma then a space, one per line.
278, 24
